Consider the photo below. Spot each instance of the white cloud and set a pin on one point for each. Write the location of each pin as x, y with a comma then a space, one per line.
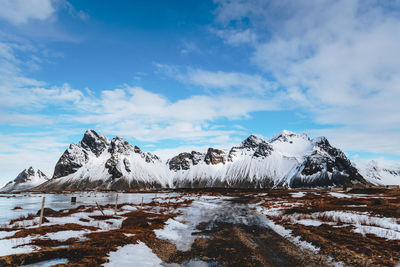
337, 60
39, 150
373, 141
133, 111
228, 80
21, 11
237, 37
236, 82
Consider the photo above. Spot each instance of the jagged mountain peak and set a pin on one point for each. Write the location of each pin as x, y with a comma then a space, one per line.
94, 142
253, 141
25, 180
25, 175
321, 140
30, 171
120, 145
288, 136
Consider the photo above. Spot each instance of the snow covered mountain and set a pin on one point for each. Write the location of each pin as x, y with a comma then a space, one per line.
286, 160
379, 173
98, 163
26, 180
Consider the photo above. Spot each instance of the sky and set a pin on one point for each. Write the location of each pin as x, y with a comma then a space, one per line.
172, 76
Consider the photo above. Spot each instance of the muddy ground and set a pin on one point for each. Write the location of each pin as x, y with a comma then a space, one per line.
236, 234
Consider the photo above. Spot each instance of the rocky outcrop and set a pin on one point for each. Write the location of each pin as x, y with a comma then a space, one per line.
215, 156
184, 161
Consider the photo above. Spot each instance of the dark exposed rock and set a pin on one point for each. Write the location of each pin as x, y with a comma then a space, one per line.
137, 149
127, 165
113, 167
330, 164
47, 212
77, 155
25, 175
252, 141
184, 160
215, 156
94, 142
120, 145
180, 162
71, 160
263, 150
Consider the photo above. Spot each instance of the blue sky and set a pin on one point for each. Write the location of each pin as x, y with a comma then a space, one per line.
180, 75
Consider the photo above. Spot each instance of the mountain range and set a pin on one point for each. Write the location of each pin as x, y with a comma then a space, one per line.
285, 160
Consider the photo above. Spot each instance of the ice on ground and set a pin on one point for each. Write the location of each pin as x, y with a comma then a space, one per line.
133, 255
192, 263
47, 263
31, 203
204, 209
108, 224
176, 232
309, 222
340, 195
298, 194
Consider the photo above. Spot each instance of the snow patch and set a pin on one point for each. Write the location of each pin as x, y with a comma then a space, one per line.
133, 255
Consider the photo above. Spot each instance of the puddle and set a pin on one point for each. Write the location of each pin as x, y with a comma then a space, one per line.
47, 263
193, 263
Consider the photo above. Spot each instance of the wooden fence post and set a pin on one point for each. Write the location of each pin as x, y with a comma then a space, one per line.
41, 213
116, 204
100, 209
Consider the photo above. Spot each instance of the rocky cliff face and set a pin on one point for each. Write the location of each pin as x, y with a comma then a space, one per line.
98, 163
325, 166
25, 180
184, 161
286, 160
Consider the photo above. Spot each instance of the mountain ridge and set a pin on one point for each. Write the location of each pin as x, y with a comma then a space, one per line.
287, 159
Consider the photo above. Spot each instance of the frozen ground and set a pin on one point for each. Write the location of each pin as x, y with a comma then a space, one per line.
31, 203
180, 229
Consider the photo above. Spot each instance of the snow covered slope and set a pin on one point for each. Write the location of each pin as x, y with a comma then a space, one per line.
27, 179
98, 163
380, 173
287, 159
